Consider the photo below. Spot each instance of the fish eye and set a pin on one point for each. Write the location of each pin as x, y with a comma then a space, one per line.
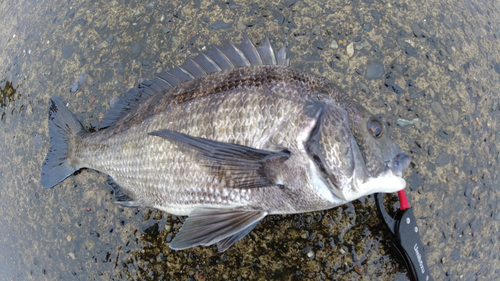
375, 128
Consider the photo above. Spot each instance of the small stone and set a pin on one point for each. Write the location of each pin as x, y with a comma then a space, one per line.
438, 109
474, 179
67, 52
82, 78
341, 41
74, 88
316, 30
455, 116
455, 254
89, 80
451, 67
136, 49
403, 122
334, 44
219, 25
306, 249
310, 254
359, 269
240, 25
350, 49
442, 260
382, 251
168, 227
88, 209
92, 100
364, 88
455, 170
342, 251
416, 30
362, 45
443, 159
69, 237
72, 255
304, 235
374, 71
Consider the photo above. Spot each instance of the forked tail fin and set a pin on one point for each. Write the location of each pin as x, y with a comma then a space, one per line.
62, 125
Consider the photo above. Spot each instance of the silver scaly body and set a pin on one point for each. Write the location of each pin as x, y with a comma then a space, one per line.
228, 138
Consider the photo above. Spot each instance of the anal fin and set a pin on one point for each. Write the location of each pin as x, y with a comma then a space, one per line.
207, 226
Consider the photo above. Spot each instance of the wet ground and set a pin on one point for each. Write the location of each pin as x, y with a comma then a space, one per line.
429, 68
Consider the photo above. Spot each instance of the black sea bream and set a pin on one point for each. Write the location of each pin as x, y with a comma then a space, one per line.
227, 138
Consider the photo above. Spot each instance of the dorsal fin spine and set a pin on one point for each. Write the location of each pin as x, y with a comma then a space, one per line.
245, 55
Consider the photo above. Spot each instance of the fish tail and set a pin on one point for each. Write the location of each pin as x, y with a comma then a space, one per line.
62, 126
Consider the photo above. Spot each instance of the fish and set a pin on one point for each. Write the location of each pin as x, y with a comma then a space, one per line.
228, 138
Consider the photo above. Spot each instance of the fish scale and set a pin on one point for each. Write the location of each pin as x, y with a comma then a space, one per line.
228, 138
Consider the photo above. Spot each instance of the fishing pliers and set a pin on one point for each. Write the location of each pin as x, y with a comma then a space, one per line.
405, 236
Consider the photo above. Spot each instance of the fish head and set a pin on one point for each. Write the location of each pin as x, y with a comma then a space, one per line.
355, 153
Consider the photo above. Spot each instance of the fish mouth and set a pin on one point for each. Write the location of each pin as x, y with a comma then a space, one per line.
399, 163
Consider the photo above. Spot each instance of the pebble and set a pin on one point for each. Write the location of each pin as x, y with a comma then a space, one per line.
374, 71
455, 116
443, 159
67, 52
219, 25
334, 44
82, 78
306, 249
438, 109
403, 122
350, 49
304, 235
89, 80
359, 269
451, 67
364, 88
88, 209
136, 49
442, 260
74, 88
341, 41
416, 30
455, 170
69, 237
316, 30
311, 254
455, 254
362, 45
240, 25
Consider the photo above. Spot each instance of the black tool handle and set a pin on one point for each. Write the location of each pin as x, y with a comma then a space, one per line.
407, 240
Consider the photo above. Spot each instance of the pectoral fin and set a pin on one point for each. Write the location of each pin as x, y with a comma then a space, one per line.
236, 165
207, 226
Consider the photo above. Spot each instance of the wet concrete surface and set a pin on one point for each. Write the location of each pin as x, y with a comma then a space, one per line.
429, 68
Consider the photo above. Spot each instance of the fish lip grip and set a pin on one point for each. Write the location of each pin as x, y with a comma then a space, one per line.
405, 236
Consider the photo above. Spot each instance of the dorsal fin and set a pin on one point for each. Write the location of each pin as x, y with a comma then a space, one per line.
218, 59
